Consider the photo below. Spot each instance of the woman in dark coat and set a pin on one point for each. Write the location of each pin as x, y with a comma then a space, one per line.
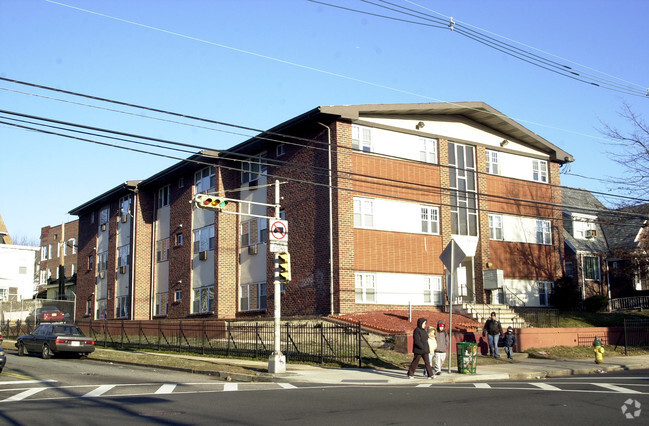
420, 349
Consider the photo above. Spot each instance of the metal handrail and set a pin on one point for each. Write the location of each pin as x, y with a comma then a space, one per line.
508, 292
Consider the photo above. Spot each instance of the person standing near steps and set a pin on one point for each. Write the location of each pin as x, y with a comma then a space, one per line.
492, 331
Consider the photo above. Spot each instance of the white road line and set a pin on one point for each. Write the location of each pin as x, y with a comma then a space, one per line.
287, 385
615, 388
166, 388
98, 392
229, 387
482, 385
23, 395
545, 386
427, 385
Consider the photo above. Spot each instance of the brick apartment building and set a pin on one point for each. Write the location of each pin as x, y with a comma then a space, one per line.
372, 195
53, 250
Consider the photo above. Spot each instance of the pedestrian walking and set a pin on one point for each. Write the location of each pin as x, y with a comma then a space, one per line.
443, 341
420, 349
432, 344
509, 340
492, 330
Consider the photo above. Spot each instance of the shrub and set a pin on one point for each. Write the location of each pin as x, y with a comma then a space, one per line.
596, 303
566, 294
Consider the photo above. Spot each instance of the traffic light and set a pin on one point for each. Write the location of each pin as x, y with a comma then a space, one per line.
211, 202
285, 266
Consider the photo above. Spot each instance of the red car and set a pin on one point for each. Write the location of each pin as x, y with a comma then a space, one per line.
49, 314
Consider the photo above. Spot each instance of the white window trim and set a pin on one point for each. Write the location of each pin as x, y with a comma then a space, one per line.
206, 174
207, 290
428, 152
495, 227
540, 171
493, 162
205, 239
431, 219
544, 227
362, 138
164, 196
365, 287
363, 213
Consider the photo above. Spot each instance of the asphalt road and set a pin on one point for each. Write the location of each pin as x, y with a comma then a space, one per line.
70, 391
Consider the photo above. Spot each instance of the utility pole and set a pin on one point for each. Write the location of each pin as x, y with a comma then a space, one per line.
62, 264
277, 361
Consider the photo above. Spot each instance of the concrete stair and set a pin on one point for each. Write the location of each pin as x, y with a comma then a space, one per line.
482, 312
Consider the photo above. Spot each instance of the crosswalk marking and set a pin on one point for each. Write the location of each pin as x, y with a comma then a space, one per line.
24, 394
166, 388
287, 386
616, 388
545, 386
229, 387
99, 391
482, 385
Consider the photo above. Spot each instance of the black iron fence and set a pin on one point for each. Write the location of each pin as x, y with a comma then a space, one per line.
636, 333
539, 317
310, 341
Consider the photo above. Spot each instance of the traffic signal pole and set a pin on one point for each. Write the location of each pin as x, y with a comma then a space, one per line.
277, 361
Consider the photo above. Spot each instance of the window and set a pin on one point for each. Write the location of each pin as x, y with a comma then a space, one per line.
546, 288
569, 269
365, 288
103, 216
280, 150
181, 182
90, 259
464, 215
495, 227
43, 279
203, 299
121, 311
43, 253
540, 171
178, 295
92, 217
543, 234
253, 232
102, 261
363, 213
361, 138
179, 239
591, 268
429, 220
205, 179
163, 197
101, 309
161, 304
22, 270
204, 239
72, 243
433, 290
250, 170
253, 297
162, 250
124, 207
123, 255
49, 251
428, 151
89, 307
581, 224
493, 163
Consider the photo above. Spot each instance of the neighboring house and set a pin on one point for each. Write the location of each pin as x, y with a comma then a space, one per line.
54, 251
5, 238
603, 253
372, 194
17, 271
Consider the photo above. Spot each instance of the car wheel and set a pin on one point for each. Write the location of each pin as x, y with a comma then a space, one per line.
83, 356
47, 353
21, 350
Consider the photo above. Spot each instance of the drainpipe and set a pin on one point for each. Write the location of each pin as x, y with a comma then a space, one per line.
133, 248
583, 280
331, 225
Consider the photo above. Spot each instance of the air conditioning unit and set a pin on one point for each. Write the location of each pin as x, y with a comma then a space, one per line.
103, 227
122, 270
102, 275
253, 249
591, 233
202, 255
124, 218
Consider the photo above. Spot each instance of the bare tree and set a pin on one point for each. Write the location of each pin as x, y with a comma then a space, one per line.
633, 153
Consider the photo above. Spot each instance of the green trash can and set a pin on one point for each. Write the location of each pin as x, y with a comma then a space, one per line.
467, 357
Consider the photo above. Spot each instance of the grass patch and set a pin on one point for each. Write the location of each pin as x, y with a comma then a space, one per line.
568, 319
581, 352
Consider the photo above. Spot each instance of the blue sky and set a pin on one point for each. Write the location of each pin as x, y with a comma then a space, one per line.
256, 63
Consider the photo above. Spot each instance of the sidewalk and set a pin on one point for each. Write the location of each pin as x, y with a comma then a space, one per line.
523, 368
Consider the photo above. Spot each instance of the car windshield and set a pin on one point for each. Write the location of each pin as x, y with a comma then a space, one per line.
66, 330
48, 309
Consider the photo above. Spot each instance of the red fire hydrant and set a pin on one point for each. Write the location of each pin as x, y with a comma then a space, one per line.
599, 351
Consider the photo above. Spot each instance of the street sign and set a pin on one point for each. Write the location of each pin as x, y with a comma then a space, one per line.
278, 230
277, 246
452, 256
